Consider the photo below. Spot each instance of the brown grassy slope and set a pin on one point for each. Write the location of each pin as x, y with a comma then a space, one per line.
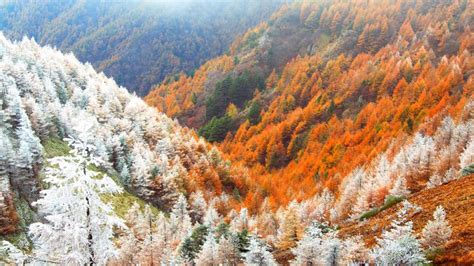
457, 197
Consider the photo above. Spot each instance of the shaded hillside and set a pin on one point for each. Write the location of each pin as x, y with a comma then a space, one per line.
137, 42
457, 197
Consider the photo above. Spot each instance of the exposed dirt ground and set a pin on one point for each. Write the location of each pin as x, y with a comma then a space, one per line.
457, 197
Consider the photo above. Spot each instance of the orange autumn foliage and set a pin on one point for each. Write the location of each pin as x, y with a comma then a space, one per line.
373, 77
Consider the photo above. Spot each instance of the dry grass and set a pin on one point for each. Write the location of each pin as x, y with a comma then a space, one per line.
457, 197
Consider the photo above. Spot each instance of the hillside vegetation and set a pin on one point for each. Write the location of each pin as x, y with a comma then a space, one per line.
338, 133
344, 81
46, 97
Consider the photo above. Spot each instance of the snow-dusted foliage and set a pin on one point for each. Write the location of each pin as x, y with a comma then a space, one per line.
437, 231
45, 94
180, 220
212, 218
241, 221
198, 206
142, 243
209, 254
11, 254
20, 150
227, 251
351, 186
79, 226
319, 246
375, 180
354, 251
467, 157
398, 245
433, 160
258, 254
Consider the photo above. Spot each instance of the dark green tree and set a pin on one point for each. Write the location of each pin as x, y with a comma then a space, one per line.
254, 113
217, 128
192, 245
243, 241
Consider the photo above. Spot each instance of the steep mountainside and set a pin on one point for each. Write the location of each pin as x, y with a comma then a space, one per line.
46, 96
343, 82
137, 42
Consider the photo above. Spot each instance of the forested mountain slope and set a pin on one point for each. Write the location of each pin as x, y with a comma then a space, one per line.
137, 42
46, 96
341, 110
173, 199
326, 86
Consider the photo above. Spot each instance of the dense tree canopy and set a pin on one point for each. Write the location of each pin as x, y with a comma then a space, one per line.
344, 81
328, 122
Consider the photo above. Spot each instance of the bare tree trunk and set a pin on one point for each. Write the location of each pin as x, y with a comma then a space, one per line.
89, 235
151, 239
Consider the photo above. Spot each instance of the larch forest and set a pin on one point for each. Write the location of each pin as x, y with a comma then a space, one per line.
237, 132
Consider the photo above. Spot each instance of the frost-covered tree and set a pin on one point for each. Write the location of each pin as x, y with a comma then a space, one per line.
399, 188
398, 245
227, 250
78, 227
141, 166
165, 146
209, 252
266, 222
125, 174
129, 248
350, 188
162, 245
179, 218
212, 218
421, 153
435, 180
5, 151
354, 251
41, 119
331, 250
467, 157
240, 221
142, 244
164, 191
319, 246
378, 178
445, 132
30, 149
198, 207
258, 254
437, 231
10, 254
17, 128
322, 207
